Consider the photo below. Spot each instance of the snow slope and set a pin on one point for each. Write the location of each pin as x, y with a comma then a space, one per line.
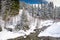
34, 22
53, 31
4, 35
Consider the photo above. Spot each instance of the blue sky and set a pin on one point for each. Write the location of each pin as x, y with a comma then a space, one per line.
34, 1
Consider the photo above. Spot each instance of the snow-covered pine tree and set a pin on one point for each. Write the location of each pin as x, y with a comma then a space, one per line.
23, 23
50, 9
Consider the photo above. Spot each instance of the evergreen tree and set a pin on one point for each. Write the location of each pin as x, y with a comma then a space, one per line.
24, 25
24, 21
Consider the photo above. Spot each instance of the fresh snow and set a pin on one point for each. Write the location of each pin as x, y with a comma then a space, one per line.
32, 27
33, 23
53, 31
43, 23
4, 35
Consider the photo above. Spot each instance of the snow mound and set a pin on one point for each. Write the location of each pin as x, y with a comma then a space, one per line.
53, 31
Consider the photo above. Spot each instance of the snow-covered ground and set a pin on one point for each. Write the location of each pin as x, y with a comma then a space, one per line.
34, 23
4, 35
53, 31
44, 23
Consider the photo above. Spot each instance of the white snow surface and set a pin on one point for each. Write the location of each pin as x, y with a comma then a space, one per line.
53, 31
42, 23
4, 35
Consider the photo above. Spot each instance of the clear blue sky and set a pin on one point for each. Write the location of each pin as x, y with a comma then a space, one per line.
34, 1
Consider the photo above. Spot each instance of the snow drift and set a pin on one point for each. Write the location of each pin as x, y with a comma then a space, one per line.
53, 31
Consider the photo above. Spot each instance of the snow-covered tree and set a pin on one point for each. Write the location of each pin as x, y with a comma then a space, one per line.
9, 8
50, 9
24, 22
